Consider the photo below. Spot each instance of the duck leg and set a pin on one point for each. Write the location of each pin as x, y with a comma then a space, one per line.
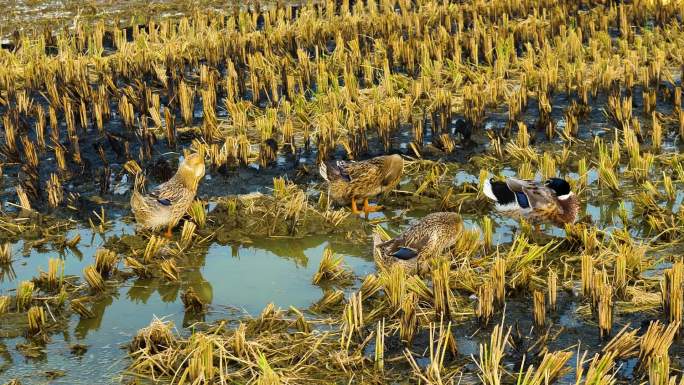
168, 233
355, 209
537, 236
370, 209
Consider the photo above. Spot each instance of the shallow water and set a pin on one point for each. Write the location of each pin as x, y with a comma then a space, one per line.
241, 279
236, 280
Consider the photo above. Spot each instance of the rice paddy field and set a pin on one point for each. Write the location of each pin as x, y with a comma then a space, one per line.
264, 281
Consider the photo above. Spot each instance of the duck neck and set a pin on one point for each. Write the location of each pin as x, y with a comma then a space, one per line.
187, 177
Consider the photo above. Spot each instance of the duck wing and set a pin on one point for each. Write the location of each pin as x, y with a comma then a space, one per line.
167, 193
374, 169
531, 194
405, 253
393, 248
398, 248
383, 169
409, 244
358, 170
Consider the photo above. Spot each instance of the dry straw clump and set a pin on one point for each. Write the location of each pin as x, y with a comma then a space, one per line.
155, 338
331, 269
491, 356
94, 278
105, 261
54, 277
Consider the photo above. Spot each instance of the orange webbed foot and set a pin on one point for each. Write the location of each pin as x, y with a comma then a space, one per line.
370, 209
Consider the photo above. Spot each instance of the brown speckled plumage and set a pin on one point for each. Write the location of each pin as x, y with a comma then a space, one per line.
362, 179
166, 205
427, 238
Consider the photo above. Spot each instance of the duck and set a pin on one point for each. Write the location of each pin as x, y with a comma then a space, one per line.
465, 129
165, 205
350, 181
551, 201
417, 245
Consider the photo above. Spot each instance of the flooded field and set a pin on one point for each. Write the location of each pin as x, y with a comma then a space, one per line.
265, 279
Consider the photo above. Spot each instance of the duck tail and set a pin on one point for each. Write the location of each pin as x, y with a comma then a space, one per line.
488, 191
501, 194
137, 201
139, 183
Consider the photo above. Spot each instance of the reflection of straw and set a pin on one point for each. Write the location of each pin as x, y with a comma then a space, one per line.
5, 254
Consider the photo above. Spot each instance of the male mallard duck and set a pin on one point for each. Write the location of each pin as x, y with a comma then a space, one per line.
551, 201
349, 181
424, 240
166, 205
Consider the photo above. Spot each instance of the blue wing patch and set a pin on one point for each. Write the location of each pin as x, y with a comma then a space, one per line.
522, 200
164, 202
405, 253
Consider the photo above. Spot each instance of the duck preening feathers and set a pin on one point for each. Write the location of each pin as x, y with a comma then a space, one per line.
165, 205
426, 239
549, 202
349, 181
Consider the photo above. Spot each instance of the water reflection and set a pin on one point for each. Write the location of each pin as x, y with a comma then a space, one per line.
98, 308
225, 276
7, 273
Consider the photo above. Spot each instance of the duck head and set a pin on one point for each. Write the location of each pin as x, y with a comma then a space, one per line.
191, 170
560, 187
465, 128
566, 199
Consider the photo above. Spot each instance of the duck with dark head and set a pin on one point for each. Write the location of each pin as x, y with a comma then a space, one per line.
549, 202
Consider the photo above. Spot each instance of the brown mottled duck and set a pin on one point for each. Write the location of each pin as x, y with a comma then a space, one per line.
426, 239
165, 205
350, 181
